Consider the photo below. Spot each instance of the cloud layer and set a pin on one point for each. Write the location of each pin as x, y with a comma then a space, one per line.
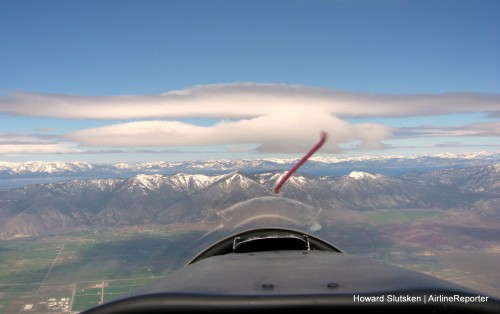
469, 130
19, 144
286, 133
244, 100
276, 118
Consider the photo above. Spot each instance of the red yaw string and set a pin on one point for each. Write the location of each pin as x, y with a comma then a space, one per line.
301, 161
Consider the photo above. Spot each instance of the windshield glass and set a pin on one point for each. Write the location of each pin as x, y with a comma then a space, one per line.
135, 134
268, 212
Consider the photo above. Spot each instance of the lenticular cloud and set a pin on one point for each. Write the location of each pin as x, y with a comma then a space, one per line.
274, 117
285, 133
244, 100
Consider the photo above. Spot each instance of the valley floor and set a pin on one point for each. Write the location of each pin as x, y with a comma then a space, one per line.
74, 271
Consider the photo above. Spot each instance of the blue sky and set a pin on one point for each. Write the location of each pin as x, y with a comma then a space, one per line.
310, 65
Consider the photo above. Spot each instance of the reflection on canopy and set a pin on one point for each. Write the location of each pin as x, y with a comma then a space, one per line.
260, 212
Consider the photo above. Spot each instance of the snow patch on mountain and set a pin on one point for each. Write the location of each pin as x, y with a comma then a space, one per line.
472, 155
192, 181
235, 178
281, 160
360, 175
37, 167
316, 164
496, 168
149, 181
146, 198
298, 180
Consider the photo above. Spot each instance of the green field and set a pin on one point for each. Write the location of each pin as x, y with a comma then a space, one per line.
4, 306
93, 266
90, 267
88, 296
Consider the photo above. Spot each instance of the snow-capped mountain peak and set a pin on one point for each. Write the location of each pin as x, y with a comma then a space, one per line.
150, 181
41, 167
359, 175
189, 181
316, 165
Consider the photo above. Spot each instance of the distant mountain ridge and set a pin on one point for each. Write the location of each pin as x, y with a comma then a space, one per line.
316, 165
154, 198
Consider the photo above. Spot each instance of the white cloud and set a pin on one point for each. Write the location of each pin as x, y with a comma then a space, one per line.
473, 129
485, 128
25, 149
276, 118
244, 100
288, 132
20, 144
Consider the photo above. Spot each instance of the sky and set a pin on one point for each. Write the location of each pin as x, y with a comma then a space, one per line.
137, 81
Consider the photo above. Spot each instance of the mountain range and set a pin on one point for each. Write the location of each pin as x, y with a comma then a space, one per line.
316, 165
40, 209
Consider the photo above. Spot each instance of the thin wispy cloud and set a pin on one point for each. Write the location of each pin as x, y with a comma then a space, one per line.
20, 144
20, 138
469, 130
459, 144
45, 130
28, 149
